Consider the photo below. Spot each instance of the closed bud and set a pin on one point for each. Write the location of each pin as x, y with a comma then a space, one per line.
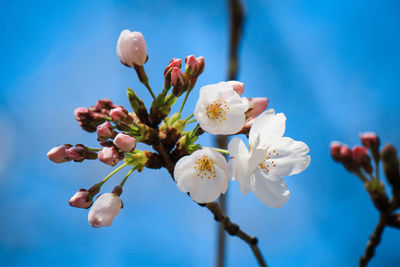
391, 165
104, 210
178, 82
105, 131
131, 48
120, 114
58, 155
177, 77
125, 142
82, 199
335, 151
81, 113
237, 86
257, 105
88, 119
371, 140
174, 63
376, 190
77, 153
343, 154
110, 155
194, 66
106, 104
361, 158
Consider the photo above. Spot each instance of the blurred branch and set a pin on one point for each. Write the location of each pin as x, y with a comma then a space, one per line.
385, 219
236, 16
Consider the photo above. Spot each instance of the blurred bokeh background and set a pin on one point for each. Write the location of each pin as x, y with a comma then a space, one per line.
331, 67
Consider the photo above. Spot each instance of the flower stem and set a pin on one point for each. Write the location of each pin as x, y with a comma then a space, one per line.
126, 177
184, 100
191, 116
143, 79
362, 176
112, 173
218, 149
190, 121
146, 83
376, 169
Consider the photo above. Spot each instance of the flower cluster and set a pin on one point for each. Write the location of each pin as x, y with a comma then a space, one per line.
202, 172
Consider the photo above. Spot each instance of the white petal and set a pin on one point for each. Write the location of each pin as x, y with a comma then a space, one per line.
289, 156
208, 190
182, 166
269, 189
238, 164
104, 209
206, 187
268, 126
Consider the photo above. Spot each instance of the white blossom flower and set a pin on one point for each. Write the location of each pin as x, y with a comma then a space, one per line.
220, 109
104, 209
271, 156
131, 48
204, 174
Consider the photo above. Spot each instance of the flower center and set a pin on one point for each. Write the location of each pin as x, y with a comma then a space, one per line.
204, 167
217, 109
268, 163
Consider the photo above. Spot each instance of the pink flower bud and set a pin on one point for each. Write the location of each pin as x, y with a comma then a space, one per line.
104, 209
237, 86
257, 105
125, 142
345, 152
361, 158
174, 63
106, 104
82, 199
131, 48
194, 66
335, 150
57, 154
77, 152
370, 140
81, 113
119, 114
110, 155
177, 78
105, 131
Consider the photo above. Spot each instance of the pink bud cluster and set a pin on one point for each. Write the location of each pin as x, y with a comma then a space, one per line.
90, 118
182, 81
357, 158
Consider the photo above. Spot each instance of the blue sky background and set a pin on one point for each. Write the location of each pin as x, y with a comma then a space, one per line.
331, 67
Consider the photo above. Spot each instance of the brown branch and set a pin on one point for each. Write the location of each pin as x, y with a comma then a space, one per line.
234, 230
375, 237
394, 220
236, 26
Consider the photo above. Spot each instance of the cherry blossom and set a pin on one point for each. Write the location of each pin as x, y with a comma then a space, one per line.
271, 156
203, 174
220, 109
